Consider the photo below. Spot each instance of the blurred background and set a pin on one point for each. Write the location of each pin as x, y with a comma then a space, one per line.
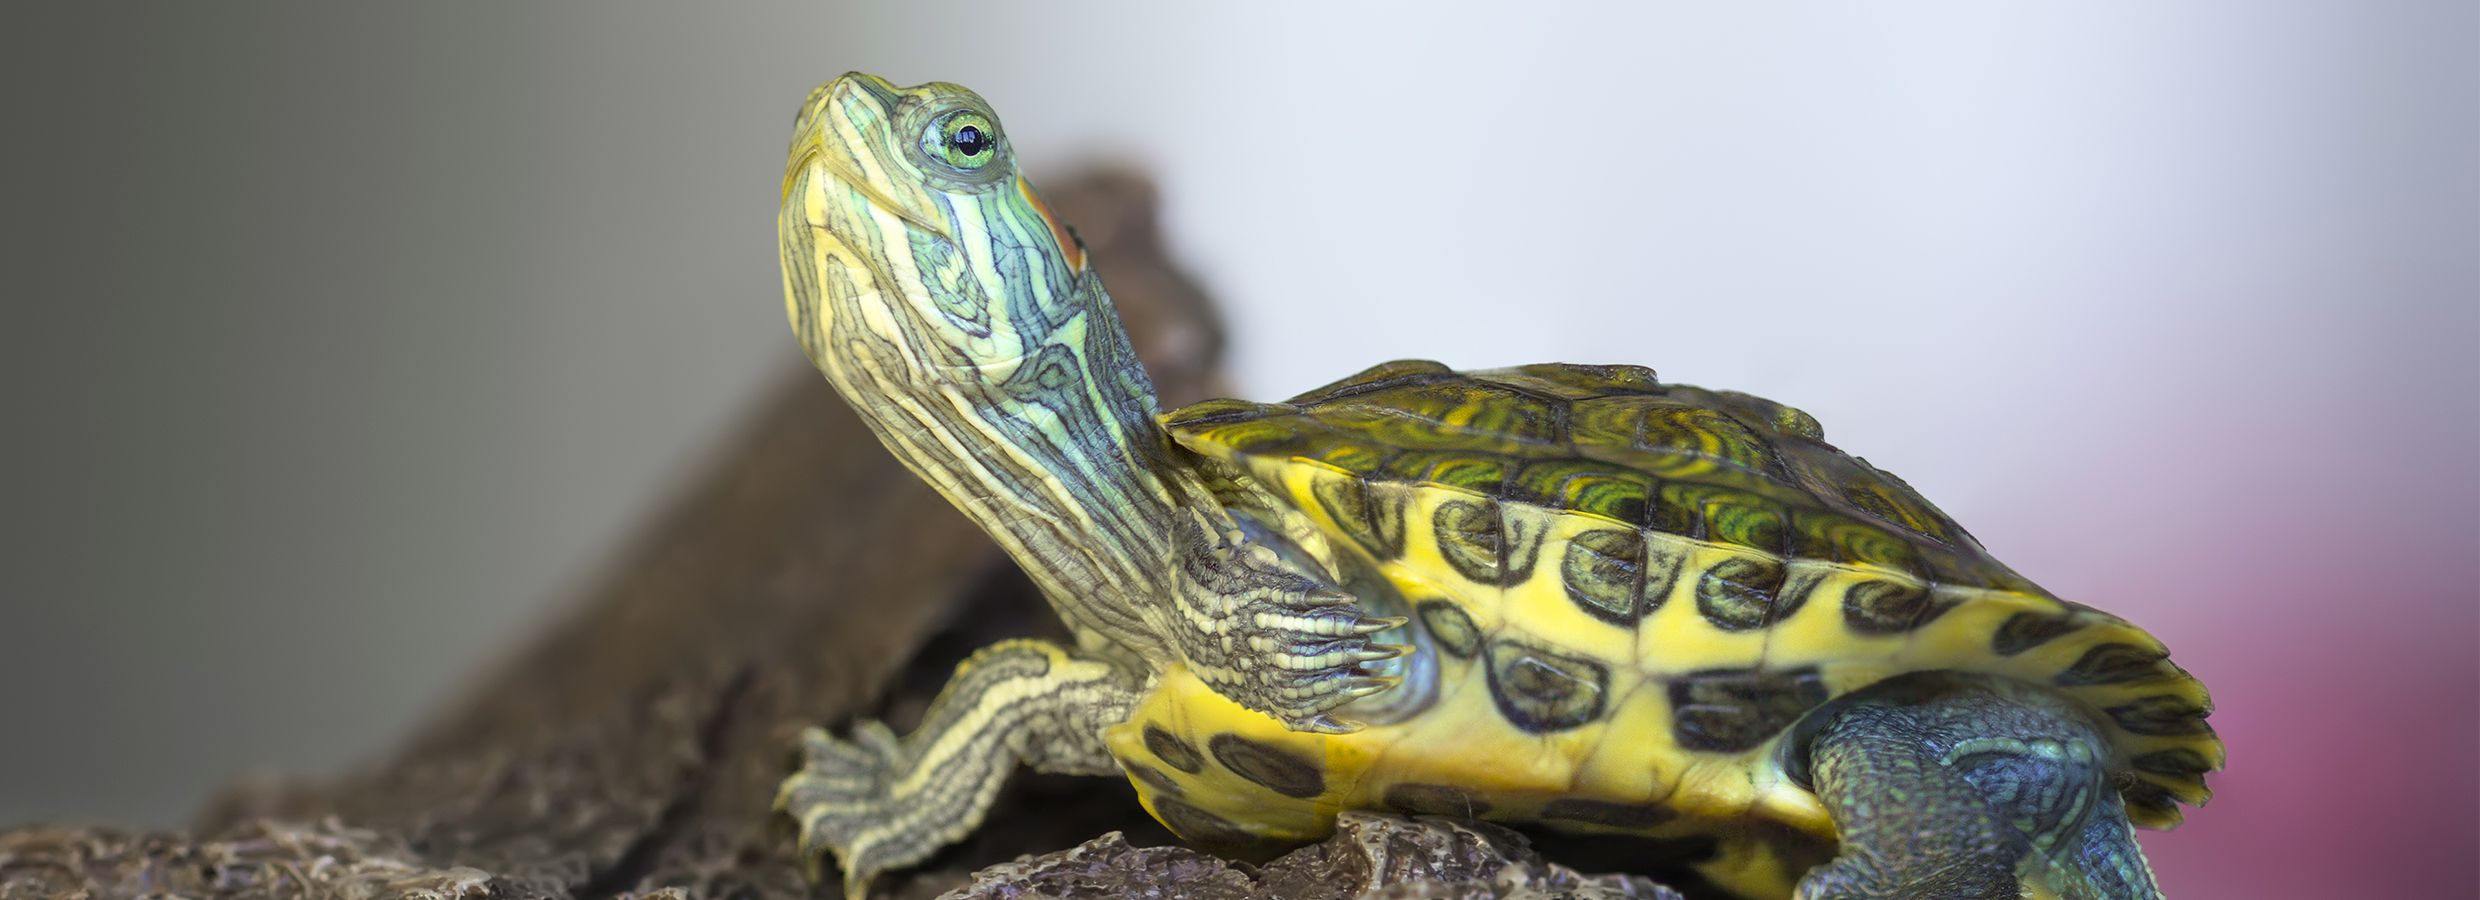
341, 344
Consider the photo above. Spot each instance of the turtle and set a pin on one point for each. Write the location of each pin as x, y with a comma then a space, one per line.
1560, 597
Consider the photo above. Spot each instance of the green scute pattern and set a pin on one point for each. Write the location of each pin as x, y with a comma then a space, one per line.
1612, 441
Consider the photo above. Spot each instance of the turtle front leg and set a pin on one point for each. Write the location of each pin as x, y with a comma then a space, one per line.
1958, 788
1264, 627
880, 803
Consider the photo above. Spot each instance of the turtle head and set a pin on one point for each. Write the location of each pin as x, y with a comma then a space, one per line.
925, 240
957, 315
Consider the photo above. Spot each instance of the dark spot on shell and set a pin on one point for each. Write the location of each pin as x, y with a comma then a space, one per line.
1196, 825
1452, 626
1634, 816
1543, 692
1884, 606
1734, 710
1739, 594
2114, 664
1603, 571
2177, 762
1483, 546
1434, 800
1468, 538
1171, 750
2026, 630
2160, 716
1152, 777
1348, 501
1279, 770
1388, 505
1797, 587
1663, 563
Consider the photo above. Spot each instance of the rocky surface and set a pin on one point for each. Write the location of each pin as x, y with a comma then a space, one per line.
1370, 856
262, 859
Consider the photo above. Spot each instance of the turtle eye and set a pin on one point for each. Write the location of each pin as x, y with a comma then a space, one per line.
964, 139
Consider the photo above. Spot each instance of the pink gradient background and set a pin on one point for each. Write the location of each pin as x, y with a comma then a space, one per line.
2330, 607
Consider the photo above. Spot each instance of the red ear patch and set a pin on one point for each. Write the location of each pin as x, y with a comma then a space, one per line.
1068, 245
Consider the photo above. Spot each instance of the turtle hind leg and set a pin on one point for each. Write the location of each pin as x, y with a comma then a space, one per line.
1960, 788
878, 802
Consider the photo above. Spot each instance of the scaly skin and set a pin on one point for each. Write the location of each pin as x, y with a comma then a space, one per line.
880, 802
933, 288
951, 310
1955, 789
1612, 605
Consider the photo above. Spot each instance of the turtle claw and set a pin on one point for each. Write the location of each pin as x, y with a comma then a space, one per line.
1365, 685
1272, 631
1376, 624
1346, 690
1379, 653
1323, 724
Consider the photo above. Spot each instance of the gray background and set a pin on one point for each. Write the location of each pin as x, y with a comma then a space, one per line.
340, 343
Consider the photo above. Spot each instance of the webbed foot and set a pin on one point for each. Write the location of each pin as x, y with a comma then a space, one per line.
841, 796
878, 802
1270, 631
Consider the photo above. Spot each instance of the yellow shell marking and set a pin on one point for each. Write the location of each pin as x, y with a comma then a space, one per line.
1705, 775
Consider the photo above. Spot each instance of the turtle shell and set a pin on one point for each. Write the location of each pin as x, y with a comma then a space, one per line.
1596, 545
